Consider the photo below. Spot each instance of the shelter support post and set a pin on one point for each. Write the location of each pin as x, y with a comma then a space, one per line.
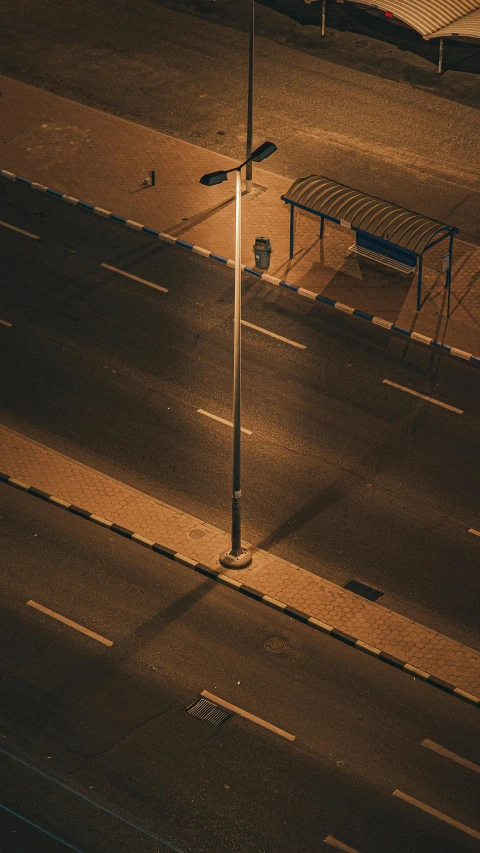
440, 57
419, 282
322, 227
292, 229
324, 3
448, 277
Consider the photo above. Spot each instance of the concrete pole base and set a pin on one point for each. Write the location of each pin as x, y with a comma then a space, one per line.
230, 561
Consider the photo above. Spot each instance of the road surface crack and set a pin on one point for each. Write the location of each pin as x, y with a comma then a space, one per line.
102, 752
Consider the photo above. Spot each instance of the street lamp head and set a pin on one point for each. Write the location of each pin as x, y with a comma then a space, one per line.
213, 178
263, 151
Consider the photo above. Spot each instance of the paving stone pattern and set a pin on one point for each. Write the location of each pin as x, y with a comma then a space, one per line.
102, 159
33, 463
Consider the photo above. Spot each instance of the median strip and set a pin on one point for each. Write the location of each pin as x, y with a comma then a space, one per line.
269, 600
277, 282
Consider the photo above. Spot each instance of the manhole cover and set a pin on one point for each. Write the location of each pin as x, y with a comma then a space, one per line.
196, 533
277, 645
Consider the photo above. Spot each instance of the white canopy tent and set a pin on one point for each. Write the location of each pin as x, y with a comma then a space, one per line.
466, 27
427, 17
431, 18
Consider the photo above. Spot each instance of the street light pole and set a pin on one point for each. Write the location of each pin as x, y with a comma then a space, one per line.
236, 551
248, 175
237, 557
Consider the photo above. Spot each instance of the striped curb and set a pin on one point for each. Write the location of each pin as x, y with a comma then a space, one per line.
250, 592
278, 282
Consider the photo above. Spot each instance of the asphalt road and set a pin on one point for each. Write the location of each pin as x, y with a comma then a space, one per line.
343, 475
97, 750
355, 39
411, 140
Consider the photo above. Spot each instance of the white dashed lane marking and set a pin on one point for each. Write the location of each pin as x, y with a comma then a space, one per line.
19, 230
248, 716
423, 397
222, 420
334, 842
4, 323
135, 278
440, 815
69, 622
475, 532
435, 747
273, 335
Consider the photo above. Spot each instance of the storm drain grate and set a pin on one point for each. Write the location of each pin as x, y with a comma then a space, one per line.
364, 590
205, 710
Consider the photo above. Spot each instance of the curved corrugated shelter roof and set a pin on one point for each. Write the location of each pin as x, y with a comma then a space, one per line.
466, 27
364, 212
427, 17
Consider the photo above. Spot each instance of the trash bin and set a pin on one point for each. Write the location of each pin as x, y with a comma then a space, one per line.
262, 250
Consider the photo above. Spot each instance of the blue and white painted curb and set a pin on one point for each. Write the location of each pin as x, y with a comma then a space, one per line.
250, 592
277, 282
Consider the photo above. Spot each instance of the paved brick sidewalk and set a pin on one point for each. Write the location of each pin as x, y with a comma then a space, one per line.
382, 629
104, 160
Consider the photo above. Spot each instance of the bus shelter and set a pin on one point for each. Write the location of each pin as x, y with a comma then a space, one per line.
455, 19
384, 232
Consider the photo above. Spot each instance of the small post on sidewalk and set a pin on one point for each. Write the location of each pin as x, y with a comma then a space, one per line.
153, 177
324, 3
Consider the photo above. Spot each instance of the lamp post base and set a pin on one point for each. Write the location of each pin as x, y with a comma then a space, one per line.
230, 561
